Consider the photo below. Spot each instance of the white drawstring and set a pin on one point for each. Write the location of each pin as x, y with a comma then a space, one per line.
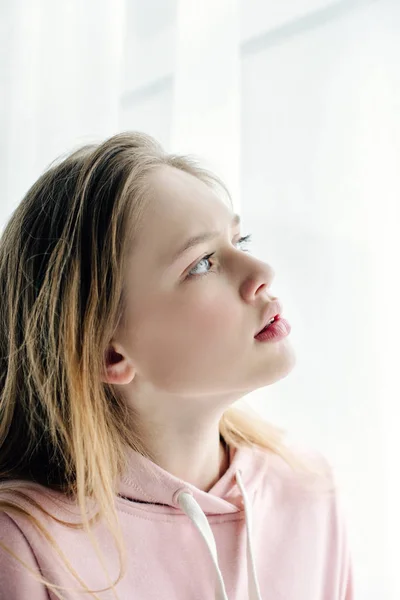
199, 519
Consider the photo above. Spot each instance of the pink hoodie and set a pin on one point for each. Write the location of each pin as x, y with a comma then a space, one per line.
255, 535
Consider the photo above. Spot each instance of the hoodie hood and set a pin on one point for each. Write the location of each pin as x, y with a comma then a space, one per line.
146, 482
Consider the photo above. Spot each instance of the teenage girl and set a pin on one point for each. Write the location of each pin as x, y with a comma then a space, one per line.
130, 468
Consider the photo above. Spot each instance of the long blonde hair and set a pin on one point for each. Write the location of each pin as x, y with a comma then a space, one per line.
62, 266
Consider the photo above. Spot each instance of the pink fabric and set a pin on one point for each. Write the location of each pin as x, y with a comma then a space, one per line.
298, 542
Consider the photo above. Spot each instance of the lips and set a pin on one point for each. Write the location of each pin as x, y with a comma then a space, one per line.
273, 320
272, 310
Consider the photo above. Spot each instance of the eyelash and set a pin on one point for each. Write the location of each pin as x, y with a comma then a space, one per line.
244, 239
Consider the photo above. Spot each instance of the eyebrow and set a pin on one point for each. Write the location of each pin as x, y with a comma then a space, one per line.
200, 238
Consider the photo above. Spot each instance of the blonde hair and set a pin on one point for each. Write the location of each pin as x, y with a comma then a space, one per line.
62, 266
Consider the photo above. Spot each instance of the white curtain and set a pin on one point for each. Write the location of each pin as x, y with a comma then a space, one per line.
61, 73
206, 109
296, 105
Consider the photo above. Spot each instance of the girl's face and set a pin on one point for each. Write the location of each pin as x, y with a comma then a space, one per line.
191, 318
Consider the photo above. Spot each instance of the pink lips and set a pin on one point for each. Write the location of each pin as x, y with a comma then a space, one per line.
272, 309
278, 330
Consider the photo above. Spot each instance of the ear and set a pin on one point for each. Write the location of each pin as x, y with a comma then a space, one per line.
119, 369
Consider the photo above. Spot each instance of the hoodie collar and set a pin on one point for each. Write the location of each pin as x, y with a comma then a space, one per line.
145, 481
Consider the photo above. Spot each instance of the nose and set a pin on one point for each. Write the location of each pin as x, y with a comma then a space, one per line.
257, 280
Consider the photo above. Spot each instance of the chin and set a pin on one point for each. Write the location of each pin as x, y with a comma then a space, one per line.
278, 365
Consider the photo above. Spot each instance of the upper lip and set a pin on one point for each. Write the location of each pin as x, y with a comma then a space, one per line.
273, 309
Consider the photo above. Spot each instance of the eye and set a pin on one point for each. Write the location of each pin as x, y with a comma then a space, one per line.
192, 273
246, 239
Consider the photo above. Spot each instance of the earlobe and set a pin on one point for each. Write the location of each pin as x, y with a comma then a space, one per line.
119, 374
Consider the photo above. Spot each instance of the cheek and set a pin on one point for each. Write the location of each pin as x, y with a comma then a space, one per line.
209, 336
216, 319
180, 340
190, 325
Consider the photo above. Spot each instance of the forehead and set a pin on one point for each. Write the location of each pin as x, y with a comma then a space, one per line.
178, 207
182, 205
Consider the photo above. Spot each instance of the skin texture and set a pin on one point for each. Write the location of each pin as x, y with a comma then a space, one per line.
185, 349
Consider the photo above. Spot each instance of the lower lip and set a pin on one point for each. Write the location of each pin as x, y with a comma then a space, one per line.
275, 332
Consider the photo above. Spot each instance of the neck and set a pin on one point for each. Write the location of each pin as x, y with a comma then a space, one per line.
182, 436
193, 461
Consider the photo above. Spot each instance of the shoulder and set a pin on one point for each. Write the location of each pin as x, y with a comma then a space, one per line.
17, 563
12, 536
299, 470
315, 495
310, 507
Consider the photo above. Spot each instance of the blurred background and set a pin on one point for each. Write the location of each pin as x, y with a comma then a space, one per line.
296, 105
